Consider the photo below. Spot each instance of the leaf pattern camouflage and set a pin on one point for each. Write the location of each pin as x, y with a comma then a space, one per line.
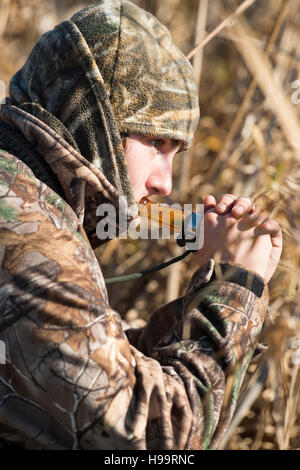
129, 77
73, 378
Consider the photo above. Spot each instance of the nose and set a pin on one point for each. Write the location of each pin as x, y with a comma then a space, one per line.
159, 181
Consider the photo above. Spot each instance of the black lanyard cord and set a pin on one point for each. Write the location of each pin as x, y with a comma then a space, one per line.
130, 277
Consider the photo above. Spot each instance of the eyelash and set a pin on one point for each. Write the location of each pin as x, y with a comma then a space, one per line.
157, 143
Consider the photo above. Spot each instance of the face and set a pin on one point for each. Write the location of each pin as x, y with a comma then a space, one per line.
149, 161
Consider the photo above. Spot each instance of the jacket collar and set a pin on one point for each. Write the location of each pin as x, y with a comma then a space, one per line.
85, 187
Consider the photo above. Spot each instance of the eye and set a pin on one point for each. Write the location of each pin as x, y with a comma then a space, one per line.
157, 143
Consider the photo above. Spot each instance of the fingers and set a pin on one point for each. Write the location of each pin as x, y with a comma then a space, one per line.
242, 206
272, 228
225, 203
238, 206
209, 203
254, 219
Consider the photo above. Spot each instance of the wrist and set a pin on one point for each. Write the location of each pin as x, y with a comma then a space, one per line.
227, 271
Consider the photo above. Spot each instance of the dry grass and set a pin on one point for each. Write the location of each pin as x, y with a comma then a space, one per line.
247, 143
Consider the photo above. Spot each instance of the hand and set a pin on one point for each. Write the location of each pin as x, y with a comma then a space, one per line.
229, 203
252, 240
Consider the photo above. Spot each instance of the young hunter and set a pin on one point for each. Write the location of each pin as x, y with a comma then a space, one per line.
99, 110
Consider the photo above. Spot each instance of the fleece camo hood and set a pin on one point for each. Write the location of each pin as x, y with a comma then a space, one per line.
111, 69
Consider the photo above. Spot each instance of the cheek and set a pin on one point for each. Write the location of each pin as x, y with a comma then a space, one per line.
138, 164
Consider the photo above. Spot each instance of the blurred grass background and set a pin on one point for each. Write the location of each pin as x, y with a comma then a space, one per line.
247, 144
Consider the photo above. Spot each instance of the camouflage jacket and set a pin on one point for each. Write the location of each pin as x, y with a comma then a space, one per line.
72, 378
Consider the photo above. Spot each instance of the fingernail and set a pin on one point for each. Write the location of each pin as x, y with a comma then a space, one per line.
222, 207
239, 210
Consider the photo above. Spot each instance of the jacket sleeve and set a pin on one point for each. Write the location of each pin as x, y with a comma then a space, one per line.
72, 379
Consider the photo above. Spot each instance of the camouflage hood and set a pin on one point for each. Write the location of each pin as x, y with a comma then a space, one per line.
111, 69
